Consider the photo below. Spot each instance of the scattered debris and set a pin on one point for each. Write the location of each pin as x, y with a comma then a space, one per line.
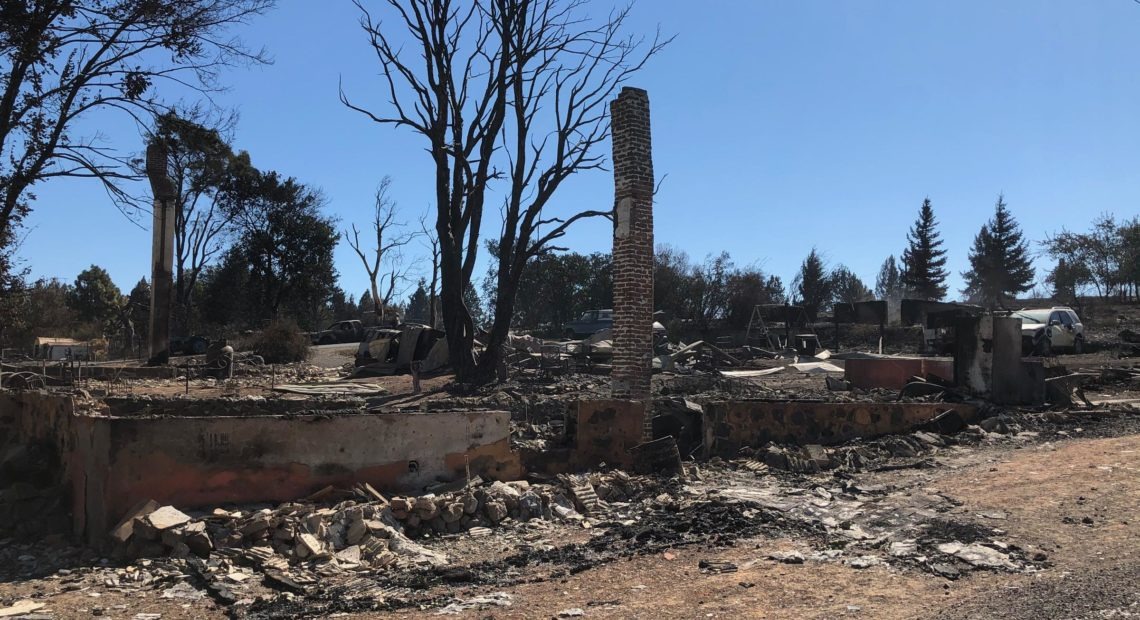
20, 608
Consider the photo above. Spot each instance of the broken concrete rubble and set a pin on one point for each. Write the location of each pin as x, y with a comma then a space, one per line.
368, 528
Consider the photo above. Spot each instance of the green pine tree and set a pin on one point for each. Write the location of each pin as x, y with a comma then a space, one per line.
999, 260
813, 285
888, 285
924, 261
418, 308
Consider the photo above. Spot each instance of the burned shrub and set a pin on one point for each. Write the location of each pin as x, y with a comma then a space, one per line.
281, 342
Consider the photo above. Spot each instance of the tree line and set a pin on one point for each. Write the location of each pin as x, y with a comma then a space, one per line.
1105, 260
509, 99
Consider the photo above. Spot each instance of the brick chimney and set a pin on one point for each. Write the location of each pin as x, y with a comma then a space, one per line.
633, 248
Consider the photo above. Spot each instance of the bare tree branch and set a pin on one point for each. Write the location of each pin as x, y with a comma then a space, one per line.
391, 237
63, 59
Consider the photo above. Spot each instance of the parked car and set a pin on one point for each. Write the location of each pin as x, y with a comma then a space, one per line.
1046, 330
591, 322
341, 331
594, 321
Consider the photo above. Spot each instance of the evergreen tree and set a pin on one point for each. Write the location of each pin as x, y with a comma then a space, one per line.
366, 306
474, 306
95, 298
889, 284
138, 308
418, 309
999, 260
812, 284
924, 261
847, 288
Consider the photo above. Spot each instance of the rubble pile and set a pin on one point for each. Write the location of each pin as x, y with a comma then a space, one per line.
863, 454
368, 531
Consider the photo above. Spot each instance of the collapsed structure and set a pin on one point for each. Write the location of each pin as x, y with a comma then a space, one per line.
148, 470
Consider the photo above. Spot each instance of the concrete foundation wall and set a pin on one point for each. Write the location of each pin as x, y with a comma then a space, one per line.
113, 463
730, 426
894, 372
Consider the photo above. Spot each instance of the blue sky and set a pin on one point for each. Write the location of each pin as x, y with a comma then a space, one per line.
780, 125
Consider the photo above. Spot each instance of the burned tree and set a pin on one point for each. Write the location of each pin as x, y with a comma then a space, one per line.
390, 238
64, 59
502, 90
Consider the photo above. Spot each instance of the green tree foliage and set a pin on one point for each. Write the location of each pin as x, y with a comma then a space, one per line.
43, 309
288, 244
1066, 279
847, 288
1000, 265
1107, 257
748, 288
95, 298
138, 309
366, 307
889, 283
1130, 258
418, 310
673, 273
924, 261
813, 285
281, 264
556, 287
281, 342
13, 319
224, 302
475, 307
711, 292
341, 307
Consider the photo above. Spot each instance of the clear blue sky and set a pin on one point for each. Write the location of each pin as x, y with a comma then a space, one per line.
781, 125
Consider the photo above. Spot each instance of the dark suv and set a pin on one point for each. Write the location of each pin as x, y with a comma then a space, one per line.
591, 322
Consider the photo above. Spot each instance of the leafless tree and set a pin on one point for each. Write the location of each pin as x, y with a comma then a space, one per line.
387, 255
63, 59
511, 90
433, 288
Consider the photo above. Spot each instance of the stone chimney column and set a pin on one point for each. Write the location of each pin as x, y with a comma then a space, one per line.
162, 254
633, 249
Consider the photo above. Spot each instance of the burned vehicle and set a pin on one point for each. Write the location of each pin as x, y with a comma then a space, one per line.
389, 351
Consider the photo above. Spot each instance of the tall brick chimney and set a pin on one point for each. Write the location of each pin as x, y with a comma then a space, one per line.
633, 248
162, 253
